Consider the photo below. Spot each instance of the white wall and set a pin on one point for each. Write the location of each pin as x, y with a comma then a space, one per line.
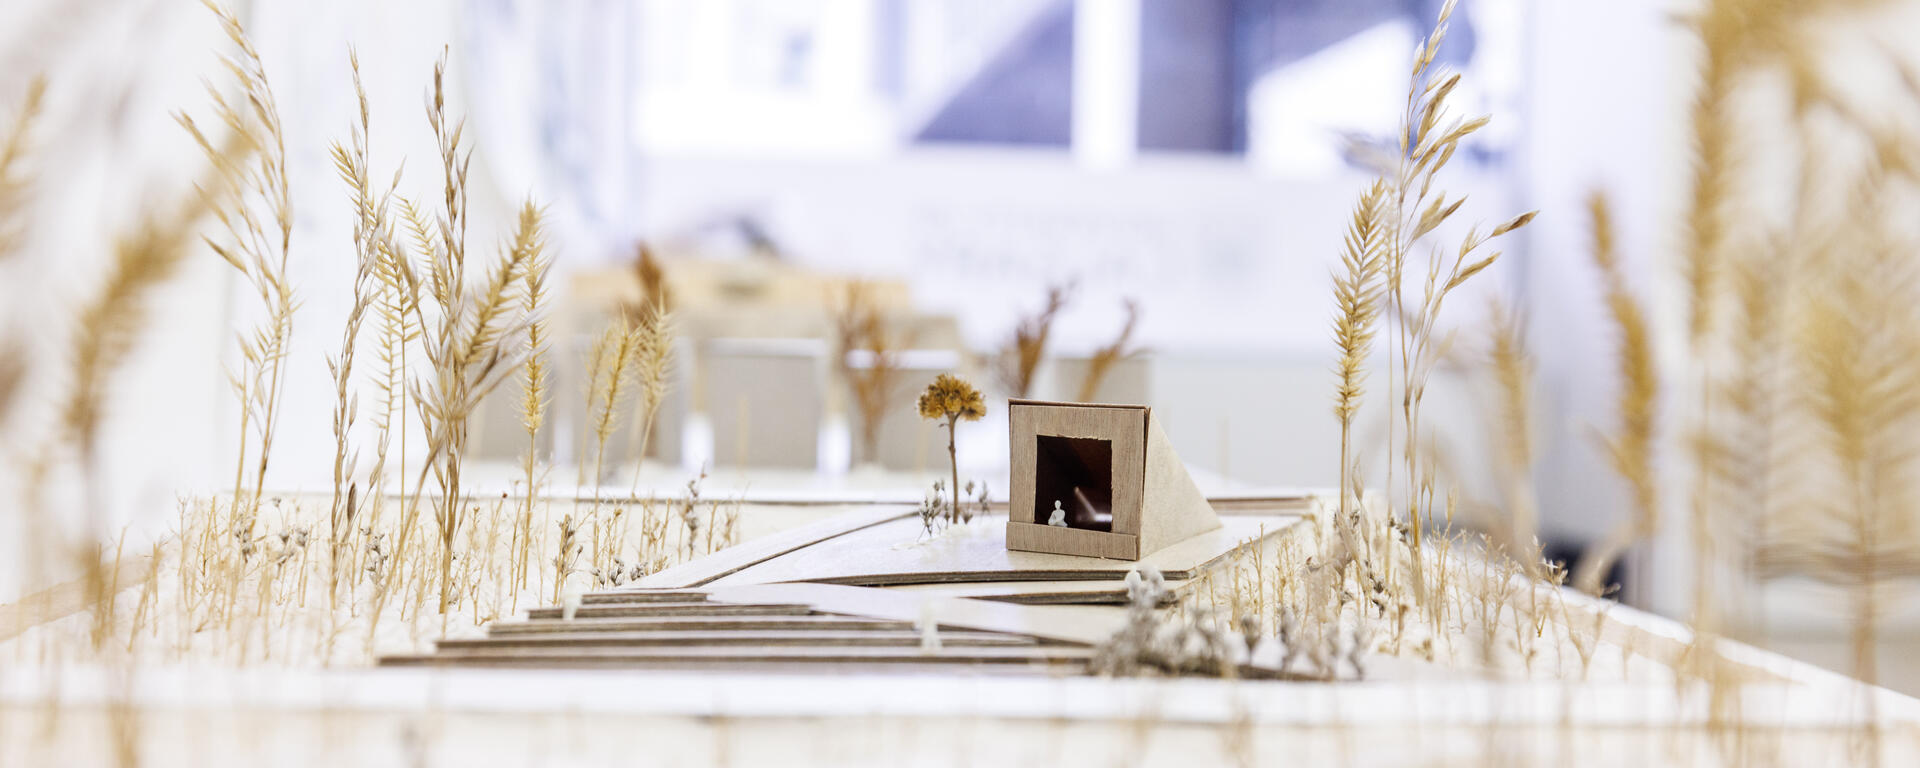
1607, 80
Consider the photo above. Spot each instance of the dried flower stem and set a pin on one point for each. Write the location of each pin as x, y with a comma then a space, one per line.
14, 181
1631, 449
370, 214
1107, 356
1357, 295
533, 408
1022, 355
653, 365
1425, 146
860, 325
610, 371
258, 249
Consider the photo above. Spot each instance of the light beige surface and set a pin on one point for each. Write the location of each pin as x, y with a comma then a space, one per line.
1086, 625
1041, 592
1173, 508
1028, 537
894, 553
737, 557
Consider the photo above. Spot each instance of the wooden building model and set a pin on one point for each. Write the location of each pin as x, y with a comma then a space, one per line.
1120, 490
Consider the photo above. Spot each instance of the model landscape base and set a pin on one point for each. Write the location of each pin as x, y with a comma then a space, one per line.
855, 592
807, 673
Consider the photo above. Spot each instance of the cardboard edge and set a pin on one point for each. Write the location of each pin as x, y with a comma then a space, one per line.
1028, 537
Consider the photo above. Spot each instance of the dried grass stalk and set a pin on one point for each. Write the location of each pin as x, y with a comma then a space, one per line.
15, 180
1427, 141
259, 226
1630, 448
1516, 534
653, 280
466, 347
860, 326
1022, 355
1856, 403
15, 183
370, 221
652, 368
654, 293
610, 373
472, 361
1106, 357
105, 330
1357, 292
625, 347
398, 306
533, 408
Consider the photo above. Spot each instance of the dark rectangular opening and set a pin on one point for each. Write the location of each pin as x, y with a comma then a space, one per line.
1077, 472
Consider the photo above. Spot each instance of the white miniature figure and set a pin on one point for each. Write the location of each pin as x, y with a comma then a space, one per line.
1059, 517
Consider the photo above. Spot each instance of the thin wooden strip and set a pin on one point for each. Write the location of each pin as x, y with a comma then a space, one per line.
1016, 401
902, 667
1068, 598
736, 558
973, 577
671, 609
1087, 625
839, 638
1028, 537
749, 653
626, 597
1018, 589
692, 624
1260, 505
1032, 594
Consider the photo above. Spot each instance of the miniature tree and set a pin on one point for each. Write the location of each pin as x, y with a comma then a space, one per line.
951, 398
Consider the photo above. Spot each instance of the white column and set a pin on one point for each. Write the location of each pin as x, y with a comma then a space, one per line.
1106, 81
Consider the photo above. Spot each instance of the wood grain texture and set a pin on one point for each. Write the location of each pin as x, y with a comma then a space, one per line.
632, 624
1028, 537
671, 609
1046, 592
1155, 501
770, 659
894, 638
1125, 426
631, 596
1173, 508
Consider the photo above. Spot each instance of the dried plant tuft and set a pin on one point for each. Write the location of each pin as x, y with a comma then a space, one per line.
533, 406
1018, 361
14, 178
653, 367
1630, 449
1106, 357
1357, 292
950, 399
259, 223
369, 225
1427, 141
861, 330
